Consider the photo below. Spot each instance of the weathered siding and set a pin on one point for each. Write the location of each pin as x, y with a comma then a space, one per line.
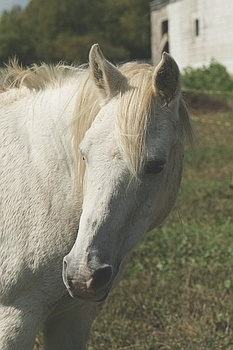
215, 39
157, 17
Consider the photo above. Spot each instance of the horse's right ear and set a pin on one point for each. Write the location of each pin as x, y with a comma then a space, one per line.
106, 76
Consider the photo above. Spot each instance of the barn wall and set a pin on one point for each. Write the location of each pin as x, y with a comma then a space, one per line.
214, 39
157, 17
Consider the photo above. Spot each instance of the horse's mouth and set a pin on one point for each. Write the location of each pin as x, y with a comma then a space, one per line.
91, 297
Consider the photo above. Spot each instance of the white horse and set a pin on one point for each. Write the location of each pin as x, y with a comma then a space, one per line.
91, 159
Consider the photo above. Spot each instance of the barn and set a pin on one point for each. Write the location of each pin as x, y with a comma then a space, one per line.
193, 31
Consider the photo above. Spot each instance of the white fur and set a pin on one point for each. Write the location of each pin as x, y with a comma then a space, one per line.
41, 204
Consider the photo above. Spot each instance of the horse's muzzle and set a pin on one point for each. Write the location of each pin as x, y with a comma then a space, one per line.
86, 284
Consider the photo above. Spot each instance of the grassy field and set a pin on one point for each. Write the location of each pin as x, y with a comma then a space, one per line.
177, 291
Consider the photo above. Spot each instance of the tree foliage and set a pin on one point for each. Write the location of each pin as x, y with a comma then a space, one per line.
57, 30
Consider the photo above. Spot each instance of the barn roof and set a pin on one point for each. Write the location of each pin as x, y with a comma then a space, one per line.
158, 4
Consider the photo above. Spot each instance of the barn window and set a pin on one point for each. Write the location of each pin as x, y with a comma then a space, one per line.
197, 29
165, 27
164, 39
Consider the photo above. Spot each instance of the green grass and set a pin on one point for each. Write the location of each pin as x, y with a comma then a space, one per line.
177, 291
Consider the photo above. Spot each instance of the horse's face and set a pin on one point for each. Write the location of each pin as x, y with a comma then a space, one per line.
118, 208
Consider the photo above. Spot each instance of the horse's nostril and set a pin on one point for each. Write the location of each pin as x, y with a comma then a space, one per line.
64, 264
70, 284
102, 277
66, 277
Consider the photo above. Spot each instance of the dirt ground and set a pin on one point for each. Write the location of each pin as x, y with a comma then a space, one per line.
200, 103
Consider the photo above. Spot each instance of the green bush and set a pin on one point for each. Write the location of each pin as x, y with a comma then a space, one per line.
215, 78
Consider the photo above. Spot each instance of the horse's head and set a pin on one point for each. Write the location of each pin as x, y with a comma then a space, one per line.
133, 153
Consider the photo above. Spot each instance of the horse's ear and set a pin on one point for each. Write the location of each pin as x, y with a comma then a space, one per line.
106, 76
166, 79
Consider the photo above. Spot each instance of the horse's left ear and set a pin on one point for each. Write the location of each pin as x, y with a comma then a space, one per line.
166, 79
106, 76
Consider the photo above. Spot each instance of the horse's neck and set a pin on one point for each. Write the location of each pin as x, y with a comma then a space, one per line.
40, 124
37, 162
57, 106
13, 95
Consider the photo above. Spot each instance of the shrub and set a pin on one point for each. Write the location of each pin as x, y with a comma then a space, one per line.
215, 78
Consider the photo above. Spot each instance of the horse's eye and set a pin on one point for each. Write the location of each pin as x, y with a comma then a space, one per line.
154, 166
